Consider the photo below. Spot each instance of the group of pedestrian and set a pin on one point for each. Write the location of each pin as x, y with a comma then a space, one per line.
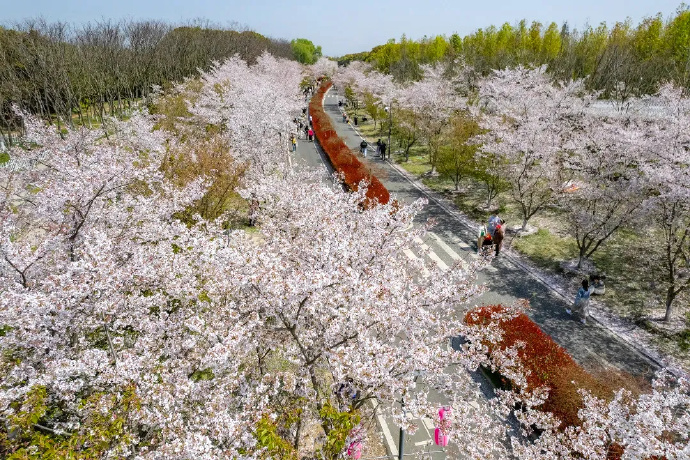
309, 133
308, 91
380, 148
304, 127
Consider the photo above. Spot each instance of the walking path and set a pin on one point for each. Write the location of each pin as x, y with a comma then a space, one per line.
598, 349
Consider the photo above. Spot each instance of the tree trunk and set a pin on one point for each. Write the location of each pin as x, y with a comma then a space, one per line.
297, 434
581, 258
670, 296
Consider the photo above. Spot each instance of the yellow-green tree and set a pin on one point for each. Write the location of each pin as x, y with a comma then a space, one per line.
678, 44
456, 159
551, 43
372, 107
305, 51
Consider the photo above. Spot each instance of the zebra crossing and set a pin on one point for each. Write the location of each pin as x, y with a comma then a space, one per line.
444, 251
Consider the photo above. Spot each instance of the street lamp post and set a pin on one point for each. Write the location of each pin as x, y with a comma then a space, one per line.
389, 109
401, 441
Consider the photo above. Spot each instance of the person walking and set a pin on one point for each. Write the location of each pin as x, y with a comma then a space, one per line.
355, 120
311, 135
378, 147
294, 143
581, 305
383, 150
363, 146
344, 117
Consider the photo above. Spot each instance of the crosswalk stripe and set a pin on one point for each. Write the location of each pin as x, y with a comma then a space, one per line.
466, 247
490, 269
386, 433
428, 423
411, 256
463, 245
453, 255
432, 255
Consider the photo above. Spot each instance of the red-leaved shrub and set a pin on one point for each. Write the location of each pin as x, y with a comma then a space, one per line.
339, 154
548, 363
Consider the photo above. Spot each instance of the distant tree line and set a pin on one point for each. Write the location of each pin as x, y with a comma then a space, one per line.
79, 74
640, 56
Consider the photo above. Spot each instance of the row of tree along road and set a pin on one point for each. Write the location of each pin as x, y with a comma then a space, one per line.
551, 145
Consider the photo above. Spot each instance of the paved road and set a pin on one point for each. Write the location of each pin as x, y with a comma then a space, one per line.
308, 154
592, 346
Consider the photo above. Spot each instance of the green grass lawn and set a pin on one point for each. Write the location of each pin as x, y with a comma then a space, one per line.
546, 249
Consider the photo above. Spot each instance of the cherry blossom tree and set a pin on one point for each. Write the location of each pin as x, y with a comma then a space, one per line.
530, 126
610, 185
324, 67
433, 99
253, 106
666, 118
351, 75
87, 251
644, 426
353, 309
362, 80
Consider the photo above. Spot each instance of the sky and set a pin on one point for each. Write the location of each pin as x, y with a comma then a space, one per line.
346, 26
